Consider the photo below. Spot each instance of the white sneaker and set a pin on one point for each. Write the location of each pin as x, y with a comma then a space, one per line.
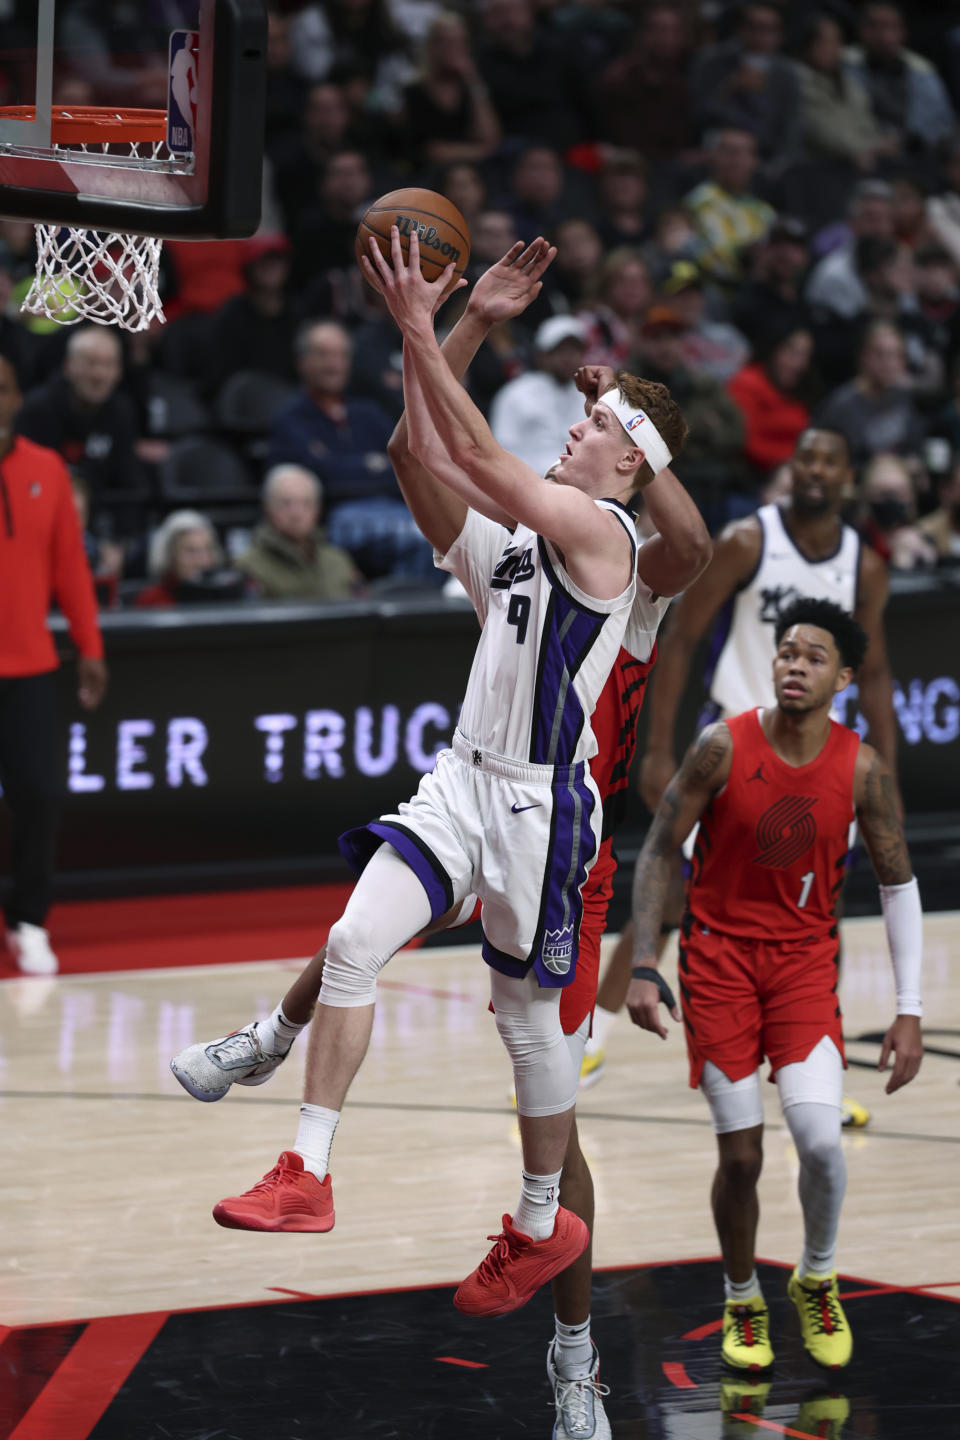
209, 1069
580, 1412
30, 947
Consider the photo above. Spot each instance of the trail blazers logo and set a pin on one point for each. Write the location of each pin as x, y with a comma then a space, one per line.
558, 950
785, 831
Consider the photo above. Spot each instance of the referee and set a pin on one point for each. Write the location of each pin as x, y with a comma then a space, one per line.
41, 559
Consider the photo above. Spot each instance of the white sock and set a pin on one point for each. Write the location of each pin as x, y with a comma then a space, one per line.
536, 1214
315, 1136
277, 1033
815, 1267
573, 1350
748, 1290
602, 1025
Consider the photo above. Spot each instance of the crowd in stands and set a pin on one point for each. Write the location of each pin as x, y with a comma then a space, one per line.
756, 203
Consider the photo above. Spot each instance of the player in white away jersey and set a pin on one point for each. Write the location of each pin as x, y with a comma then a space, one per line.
511, 811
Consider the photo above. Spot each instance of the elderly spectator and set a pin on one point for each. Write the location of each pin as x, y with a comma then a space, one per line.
713, 346
837, 120
771, 300
85, 416
889, 510
942, 527
289, 558
876, 410
746, 84
646, 100
185, 562
447, 111
908, 97
531, 415
623, 293
772, 396
728, 217
535, 80
255, 330
834, 287
41, 560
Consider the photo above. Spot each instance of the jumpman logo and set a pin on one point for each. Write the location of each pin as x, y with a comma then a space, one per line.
758, 775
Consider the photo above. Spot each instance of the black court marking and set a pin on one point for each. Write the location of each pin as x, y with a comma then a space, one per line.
404, 1365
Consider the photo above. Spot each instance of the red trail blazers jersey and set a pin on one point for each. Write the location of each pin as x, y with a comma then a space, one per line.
772, 845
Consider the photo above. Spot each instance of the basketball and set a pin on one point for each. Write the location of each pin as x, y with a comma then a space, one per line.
443, 232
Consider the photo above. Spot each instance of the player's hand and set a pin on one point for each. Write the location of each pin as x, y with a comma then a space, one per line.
505, 290
411, 299
905, 1039
593, 381
657, 769
643, 1003
91, 682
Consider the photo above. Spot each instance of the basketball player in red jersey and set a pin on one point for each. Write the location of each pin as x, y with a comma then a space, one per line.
774, 791
671, 560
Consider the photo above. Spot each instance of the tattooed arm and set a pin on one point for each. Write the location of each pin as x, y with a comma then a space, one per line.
877, 804
705, 770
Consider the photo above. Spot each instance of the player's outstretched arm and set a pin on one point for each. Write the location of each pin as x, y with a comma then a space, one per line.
593, 542
878, 811
705, 769
502, 293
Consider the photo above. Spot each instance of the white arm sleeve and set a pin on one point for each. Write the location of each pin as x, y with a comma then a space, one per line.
903, 918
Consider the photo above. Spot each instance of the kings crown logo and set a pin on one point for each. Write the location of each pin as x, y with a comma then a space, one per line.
558, 950
429, 237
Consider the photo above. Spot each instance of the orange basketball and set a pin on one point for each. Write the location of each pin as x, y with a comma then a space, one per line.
443, 232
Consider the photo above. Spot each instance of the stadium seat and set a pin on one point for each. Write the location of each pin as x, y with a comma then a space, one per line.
202, 471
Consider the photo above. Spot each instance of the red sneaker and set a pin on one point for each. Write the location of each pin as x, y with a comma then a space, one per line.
288, 1198
517, 1266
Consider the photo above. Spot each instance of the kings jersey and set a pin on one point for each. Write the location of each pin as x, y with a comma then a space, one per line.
771, 849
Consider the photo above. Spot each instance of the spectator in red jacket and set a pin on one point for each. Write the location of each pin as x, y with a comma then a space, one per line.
41, 559
771, 395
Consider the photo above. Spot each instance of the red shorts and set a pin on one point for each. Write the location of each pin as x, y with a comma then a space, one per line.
744, 999
578, 998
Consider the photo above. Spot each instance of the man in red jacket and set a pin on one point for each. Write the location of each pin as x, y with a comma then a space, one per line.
41, 559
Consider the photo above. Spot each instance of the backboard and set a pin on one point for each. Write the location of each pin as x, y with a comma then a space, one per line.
137, 116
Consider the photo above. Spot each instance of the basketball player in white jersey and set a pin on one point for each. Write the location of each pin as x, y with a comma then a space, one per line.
511, 811
759, 566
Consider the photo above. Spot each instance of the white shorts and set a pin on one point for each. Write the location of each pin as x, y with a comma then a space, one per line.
522, 837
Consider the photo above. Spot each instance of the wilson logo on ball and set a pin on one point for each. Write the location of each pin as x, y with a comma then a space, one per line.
428, 236
785, 831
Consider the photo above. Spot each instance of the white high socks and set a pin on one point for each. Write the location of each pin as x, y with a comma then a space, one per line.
315, 1136
739, 1292
536, 1215
277, 1033
573, 1350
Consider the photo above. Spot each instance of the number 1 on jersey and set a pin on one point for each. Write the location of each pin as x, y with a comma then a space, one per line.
518, 613
805, 888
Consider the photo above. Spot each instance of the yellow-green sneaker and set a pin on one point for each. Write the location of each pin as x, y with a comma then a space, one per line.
825, 1328
824, 1414
854, 1115
741, 1398
746, 1335
592, 1065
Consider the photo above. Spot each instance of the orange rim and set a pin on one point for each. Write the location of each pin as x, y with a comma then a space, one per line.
95, 124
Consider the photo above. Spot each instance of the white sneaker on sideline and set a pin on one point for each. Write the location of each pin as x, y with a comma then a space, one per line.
30, 947
208, 1070
580, 1412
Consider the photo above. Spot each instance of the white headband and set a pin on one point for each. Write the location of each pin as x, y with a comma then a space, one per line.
650, 441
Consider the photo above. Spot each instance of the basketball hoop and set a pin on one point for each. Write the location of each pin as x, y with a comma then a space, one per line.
108, 277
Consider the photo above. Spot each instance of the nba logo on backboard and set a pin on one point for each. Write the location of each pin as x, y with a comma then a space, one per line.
182, 91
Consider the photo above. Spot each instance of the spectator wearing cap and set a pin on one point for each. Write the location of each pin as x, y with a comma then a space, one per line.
185, 563
745, 83
714, 347
531, 415
772, 394
876, 409
942, 526
255, 330
624, 291
771, 301
888, 515
837, 119
908, 97
834, 285
646, 99
729, 218
289, 558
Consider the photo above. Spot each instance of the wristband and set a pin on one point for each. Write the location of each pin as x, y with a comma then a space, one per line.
647, 972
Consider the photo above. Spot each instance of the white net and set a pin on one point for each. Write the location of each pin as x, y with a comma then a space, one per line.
88, 275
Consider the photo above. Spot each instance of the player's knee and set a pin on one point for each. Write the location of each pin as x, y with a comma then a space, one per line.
526, 1036
351, 968
741, 1161
821, 1158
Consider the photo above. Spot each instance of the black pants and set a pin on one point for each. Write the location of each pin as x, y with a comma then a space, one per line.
28, 774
